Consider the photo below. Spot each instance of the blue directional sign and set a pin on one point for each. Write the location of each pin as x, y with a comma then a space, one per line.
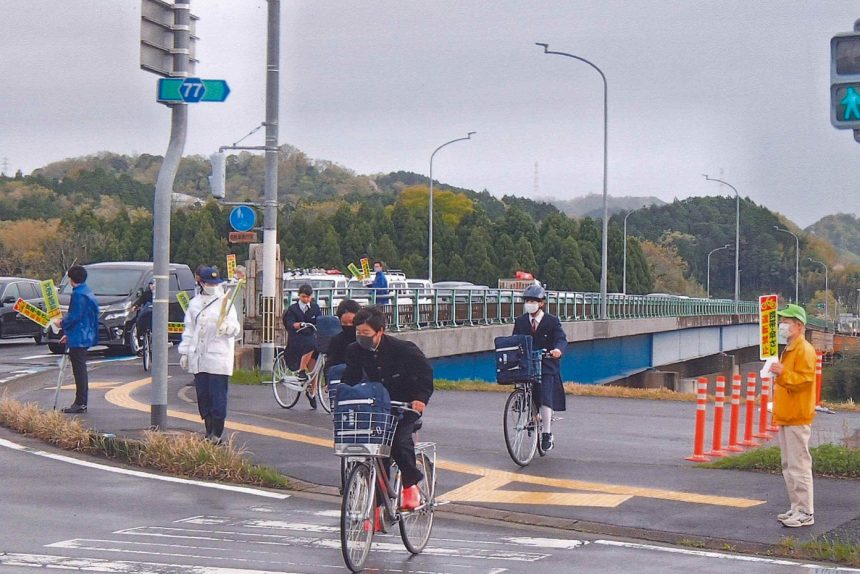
243, 218
191, 90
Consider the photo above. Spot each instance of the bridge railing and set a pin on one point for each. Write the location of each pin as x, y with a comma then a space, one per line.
442, 308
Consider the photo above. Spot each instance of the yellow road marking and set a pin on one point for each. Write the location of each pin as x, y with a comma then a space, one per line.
488, 487
92, 386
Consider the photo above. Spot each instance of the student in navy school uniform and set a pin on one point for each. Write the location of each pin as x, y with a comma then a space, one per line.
301, 340
547, 334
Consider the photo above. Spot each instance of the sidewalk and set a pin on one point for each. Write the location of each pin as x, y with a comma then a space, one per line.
618, 468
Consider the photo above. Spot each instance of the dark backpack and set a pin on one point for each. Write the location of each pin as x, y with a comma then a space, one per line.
514, 359
333, 376
327, 327
362, 413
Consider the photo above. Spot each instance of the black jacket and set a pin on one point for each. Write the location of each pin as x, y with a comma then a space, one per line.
399, 365
336, 354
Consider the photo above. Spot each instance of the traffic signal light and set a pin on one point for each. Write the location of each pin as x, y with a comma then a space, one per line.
845, 80
217, 181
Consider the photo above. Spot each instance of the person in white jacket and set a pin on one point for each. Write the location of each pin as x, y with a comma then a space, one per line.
207, 348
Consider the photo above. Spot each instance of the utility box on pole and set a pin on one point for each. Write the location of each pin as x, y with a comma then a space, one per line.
156, 38
217, 181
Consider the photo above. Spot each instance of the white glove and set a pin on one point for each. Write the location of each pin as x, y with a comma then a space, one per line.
227, 330
183, 362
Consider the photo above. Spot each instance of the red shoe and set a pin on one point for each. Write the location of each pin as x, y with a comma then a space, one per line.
376, 518
410, 499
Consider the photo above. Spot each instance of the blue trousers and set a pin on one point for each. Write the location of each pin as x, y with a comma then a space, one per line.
211, 395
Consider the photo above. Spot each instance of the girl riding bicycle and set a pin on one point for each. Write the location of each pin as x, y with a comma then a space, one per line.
301, 342
546, 333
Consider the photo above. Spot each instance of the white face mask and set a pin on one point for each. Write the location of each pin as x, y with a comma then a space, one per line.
531, 307
209, 289
782, 334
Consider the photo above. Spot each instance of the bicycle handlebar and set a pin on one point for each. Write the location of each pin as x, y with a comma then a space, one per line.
405, 407
305, 326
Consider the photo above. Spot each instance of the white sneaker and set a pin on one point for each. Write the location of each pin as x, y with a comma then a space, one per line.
786, 515
798, 519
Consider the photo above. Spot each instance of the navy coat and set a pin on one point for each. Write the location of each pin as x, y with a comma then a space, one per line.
300, 342
549, 336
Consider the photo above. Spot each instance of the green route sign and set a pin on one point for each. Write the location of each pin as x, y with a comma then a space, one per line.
191, 90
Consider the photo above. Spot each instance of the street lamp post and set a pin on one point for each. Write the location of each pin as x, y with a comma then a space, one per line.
605, 240
796, 262
624, 271
430, 226
826, 291
726, 246
737, 234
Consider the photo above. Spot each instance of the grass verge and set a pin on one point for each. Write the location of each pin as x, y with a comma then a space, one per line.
571, 389
248, 377
188, 455
828, 460
826, 548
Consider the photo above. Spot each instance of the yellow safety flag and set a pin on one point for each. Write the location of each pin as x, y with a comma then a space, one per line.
182, 297
175, 327
768, 328
356, 272
365, 268
229, 299
32, 312
51, 298
231, 266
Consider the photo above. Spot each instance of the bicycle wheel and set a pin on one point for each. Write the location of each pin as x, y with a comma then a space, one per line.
521, 437
356, 517
415, 525
147, 350
285, 394
322, 391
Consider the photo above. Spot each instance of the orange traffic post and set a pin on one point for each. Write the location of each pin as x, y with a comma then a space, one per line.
762, 409
819, 360
719, 401
750, 414
734, 418
701, 404
772, 428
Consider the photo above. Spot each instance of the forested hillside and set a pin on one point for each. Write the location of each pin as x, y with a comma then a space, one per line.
98, 208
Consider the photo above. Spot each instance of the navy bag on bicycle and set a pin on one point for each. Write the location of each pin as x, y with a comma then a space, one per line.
514, 359
334, 375
327, 327
362, 414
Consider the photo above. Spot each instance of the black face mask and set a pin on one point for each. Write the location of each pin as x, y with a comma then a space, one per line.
349, 332
365, 341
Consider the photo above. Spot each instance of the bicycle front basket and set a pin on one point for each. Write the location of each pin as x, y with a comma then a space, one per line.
358, 433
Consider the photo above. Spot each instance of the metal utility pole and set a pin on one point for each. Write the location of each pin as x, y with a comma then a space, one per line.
604, 250
430, 221
270, 213
161, 217
737, 237
796, 263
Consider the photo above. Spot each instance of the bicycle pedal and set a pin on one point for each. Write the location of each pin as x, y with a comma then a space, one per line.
557, 419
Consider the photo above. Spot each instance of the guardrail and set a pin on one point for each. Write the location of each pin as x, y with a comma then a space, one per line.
445, 308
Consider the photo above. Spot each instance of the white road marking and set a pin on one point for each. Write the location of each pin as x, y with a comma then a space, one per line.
721, 555
139, 474
190, 534
546, 543
118, 566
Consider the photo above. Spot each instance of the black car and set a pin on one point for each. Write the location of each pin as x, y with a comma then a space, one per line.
116, 286
13, 325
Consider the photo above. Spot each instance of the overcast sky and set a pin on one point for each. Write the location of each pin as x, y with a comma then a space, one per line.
736, 89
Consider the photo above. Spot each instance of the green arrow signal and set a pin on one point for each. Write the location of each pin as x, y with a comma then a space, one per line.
170, 90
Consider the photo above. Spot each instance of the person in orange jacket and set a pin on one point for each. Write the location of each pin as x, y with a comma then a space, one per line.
793, 412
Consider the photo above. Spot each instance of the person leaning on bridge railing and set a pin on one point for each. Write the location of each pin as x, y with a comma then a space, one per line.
546, 333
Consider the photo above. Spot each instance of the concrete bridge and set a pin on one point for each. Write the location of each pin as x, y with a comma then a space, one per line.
603, 351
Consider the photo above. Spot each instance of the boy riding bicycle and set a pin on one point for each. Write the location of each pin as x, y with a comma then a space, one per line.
407, 375
301, 342
546, 333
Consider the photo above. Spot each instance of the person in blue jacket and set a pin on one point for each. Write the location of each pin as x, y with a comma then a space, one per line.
547, 334
380, 283
80, 332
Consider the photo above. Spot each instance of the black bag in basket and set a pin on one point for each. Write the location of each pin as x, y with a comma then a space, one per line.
514, 359
362, 413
